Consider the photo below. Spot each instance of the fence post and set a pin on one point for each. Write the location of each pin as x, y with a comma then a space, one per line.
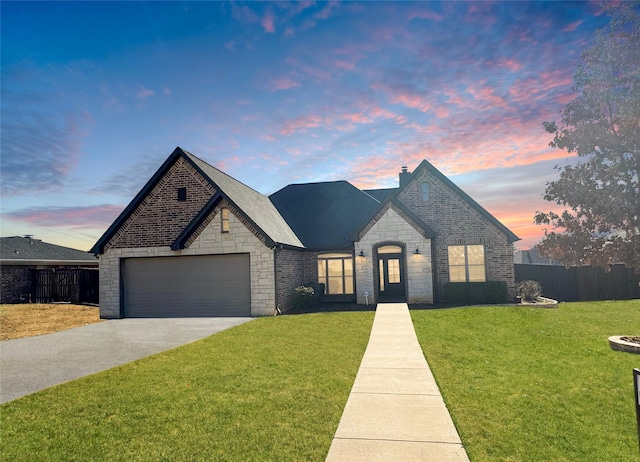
636, 387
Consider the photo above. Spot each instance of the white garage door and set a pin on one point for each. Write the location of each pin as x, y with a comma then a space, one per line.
210, 285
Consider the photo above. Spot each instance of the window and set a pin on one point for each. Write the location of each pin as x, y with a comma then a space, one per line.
335, 271
224, 214
466, 263
425, 191
182, 194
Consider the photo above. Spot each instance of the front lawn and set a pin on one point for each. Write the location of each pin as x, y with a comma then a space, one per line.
527, 384
271, 389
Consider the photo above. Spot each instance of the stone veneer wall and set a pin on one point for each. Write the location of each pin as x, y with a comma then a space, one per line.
210, 241
456, 222
391, 228
289, 275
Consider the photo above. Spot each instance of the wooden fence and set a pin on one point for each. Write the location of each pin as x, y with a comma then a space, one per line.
582, 283
73, 285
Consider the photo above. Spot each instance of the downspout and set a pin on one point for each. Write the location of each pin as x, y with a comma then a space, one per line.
276, 311
434, 271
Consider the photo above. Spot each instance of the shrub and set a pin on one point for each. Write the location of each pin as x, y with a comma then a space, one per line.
529, 290
476, 293
307, 296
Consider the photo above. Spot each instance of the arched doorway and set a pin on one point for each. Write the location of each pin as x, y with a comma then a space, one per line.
391, 274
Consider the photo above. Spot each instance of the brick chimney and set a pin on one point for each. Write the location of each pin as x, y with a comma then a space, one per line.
405, 175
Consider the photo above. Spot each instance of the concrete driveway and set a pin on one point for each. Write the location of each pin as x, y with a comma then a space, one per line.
31, 364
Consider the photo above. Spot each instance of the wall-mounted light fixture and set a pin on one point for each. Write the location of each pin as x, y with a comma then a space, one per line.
417, 252
361, 254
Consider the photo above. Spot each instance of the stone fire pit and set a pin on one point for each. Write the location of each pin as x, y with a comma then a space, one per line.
628, 343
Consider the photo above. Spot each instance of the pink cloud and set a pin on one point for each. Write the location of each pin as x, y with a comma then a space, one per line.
326, 12
268, 23
487, 95
311, 71
573, 26
511, 64
303, 123
405, 97
358, 118
345, 65
99, 216
442, 112
244, 13
283, 83
425, 14
412, 100
144, 93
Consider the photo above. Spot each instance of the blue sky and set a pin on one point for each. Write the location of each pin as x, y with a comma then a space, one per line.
96, 95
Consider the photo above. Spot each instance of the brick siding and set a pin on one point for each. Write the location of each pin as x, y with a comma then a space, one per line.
160, 217
456, 222
290, 273
16, 283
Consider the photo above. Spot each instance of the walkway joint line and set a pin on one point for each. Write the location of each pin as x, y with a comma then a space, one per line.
395, 411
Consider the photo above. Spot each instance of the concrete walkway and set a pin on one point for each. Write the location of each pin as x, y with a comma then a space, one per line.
395, 411
31, 364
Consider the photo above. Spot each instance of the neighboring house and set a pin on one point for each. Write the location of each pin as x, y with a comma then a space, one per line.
533, 257
19, 256
196, 242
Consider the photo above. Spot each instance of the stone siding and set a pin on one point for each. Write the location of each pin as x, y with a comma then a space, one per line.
457, 222
289, 275
390, 228
210, 241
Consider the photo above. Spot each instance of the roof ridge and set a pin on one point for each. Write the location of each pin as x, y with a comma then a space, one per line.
196, 158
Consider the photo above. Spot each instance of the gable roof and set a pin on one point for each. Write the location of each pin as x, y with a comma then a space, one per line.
18, 249
256, 207
403, 211
324, 215
424, 165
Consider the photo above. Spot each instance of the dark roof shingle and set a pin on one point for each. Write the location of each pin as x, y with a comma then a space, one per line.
323, 215
26, 248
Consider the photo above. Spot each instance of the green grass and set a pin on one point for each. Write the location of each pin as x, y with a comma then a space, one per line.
526, 384
271, 389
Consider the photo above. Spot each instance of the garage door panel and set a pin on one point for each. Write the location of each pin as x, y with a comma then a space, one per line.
212, 285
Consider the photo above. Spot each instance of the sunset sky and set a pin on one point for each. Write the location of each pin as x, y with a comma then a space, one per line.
96, 95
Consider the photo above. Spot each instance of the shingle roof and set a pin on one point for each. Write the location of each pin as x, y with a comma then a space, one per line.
425, 165
533, 257
324, 215
381, 194
18, 248
256, 207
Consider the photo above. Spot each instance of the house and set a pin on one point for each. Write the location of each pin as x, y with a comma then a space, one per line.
196, 242
533, 257
20, 257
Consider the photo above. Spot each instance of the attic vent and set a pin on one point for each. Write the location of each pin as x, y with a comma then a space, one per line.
182, 194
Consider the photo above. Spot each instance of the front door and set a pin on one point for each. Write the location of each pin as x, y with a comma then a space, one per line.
391, 286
